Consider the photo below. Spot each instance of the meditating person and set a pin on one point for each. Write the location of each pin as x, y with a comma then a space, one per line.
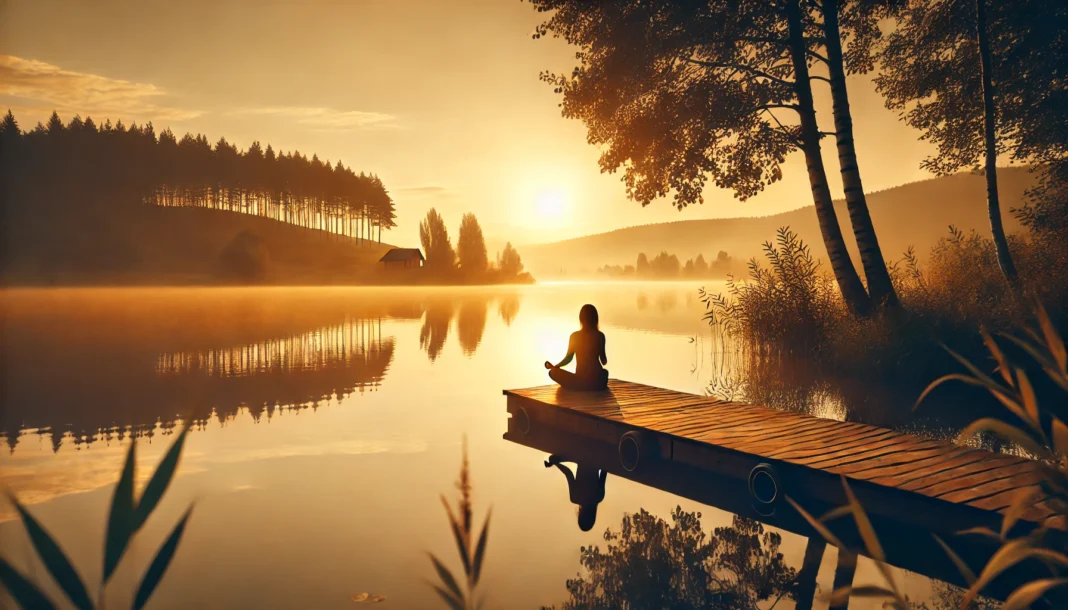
586, 344
586, 488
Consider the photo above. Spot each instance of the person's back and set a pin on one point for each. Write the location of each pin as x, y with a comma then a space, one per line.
588, 345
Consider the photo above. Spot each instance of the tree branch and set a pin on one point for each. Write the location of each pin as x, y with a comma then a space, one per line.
816, 55
822, 78
737, 67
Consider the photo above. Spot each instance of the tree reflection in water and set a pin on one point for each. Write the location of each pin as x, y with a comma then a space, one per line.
651, 564
435, 327
471, 323
508, 308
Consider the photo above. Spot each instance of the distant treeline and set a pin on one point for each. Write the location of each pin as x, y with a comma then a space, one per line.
666, 266
469, 261
56, 169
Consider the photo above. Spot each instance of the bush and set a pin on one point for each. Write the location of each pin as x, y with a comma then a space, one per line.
244, 258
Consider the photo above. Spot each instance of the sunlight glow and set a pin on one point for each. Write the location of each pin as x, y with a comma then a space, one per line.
551, 203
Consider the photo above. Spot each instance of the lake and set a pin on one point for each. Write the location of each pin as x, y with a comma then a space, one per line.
327, 422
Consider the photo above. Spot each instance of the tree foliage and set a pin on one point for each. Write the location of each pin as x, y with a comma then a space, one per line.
675, 93
471, 246
680, 93
434, 238
930, 73
509, 262
82, 167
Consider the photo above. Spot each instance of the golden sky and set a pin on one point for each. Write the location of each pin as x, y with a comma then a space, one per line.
440, 98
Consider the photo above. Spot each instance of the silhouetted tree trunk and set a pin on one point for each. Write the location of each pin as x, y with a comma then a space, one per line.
853, 292
993, 204
880, 287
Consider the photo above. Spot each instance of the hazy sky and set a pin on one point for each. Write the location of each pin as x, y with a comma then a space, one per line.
440, 98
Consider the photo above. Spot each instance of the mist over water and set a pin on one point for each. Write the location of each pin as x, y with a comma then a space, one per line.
327, 421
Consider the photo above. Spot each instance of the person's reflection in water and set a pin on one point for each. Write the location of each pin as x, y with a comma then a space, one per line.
588, 345
586, 488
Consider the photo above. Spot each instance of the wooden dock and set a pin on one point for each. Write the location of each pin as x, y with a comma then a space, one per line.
746, 458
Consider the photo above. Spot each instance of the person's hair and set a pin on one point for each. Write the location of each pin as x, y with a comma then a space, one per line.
588, 317
587, 516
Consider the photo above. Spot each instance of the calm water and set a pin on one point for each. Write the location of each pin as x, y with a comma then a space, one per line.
329, 420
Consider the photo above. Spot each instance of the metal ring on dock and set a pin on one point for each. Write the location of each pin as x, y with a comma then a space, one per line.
764, 488
522, 421
631, 450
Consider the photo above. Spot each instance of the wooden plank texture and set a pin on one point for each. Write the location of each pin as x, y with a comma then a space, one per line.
909, 464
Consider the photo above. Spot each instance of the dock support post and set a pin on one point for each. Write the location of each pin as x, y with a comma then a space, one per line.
843, 577
806, 578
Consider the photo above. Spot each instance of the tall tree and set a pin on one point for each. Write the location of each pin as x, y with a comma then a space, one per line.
471, 246
864, 29
509, 261
981, 79
676, 93
435, 240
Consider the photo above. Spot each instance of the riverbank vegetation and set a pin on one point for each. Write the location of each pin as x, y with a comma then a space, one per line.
788, 306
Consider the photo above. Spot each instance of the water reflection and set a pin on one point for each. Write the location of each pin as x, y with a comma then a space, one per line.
436, 327
906, 537
585, 488
471, 323
508, 308
649, 563
80, 365
83, 366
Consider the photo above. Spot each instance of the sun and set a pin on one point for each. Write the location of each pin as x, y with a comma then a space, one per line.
550, 203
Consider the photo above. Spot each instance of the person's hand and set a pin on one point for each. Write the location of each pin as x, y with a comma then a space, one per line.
548, 364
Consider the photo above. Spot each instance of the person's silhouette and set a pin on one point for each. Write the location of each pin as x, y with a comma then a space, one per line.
586, 488
588, 346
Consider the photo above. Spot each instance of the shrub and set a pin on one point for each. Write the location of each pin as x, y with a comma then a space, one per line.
787, 306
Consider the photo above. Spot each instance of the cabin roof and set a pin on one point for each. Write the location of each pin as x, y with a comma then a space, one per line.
402, 254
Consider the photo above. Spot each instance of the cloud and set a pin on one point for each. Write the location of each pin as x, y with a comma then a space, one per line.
423, 190
49, 87
317, 117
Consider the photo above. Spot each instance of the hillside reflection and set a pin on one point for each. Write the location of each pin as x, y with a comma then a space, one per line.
89, 365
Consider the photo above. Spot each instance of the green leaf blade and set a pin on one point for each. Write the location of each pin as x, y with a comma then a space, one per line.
452, 602
446, 577
1023, 597
161, 478
480, 550
160, 563
55, 560
28, 596
122, 518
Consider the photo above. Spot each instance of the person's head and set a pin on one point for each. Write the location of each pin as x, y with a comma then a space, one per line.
588, 317
587, 516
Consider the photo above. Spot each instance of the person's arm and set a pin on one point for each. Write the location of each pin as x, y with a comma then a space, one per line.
570, 353
567, 473
604, 356
604, 477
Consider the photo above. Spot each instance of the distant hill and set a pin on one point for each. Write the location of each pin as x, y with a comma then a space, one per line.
158, 245
915, 214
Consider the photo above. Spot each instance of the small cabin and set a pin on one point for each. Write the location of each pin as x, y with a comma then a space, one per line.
402, 258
